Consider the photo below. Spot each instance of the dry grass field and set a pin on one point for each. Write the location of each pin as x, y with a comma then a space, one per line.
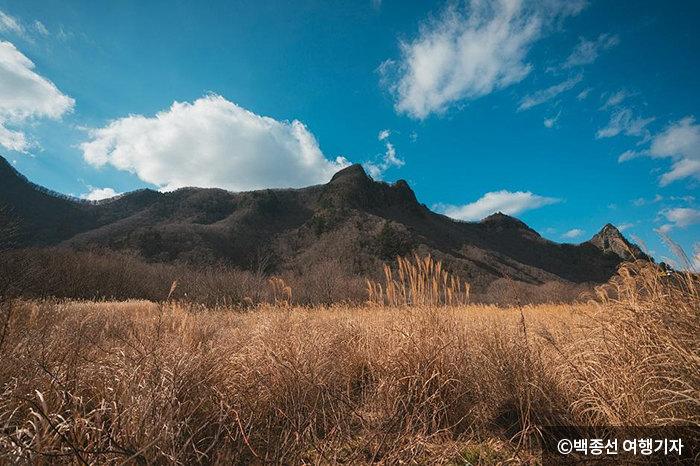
417, 383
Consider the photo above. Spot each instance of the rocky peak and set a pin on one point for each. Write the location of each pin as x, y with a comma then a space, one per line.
503, 219
352, 173
610, 231
611, 241
500, 222
352, 187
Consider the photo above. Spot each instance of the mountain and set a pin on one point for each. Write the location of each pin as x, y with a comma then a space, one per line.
352, 220
611, 241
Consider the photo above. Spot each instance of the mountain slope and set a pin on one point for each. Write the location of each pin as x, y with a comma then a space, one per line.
352, 220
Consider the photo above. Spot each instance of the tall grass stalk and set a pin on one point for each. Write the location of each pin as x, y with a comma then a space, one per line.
420, 281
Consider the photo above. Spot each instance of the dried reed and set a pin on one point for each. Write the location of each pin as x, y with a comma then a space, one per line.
418, 282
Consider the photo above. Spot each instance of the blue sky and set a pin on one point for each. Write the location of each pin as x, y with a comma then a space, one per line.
567, 115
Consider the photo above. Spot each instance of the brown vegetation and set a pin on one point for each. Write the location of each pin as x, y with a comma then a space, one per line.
109, 275
143, 383
419, 282
102, 274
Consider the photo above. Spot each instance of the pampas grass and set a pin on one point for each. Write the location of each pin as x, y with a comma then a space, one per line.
419, 282
419, 380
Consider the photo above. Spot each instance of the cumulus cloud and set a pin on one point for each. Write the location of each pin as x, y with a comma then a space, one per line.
468, 52
211, 143
545, 95
680, 217
587, 51
13, 140
623, 121
511, 203
388, 159
575, 233
97, 194
25, 95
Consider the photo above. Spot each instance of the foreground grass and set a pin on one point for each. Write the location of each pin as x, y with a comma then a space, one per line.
145, 383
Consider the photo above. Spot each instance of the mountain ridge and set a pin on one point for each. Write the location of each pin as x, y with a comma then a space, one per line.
352, 219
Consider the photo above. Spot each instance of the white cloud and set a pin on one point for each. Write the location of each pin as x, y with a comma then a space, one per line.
550, 122
40, 28
686, 199
511, 203
628, 155
625, 226
623, 121
97, 194
681, 142
639, 202
10, 24
683, 168
389, 159
571, 234
13, 140
584, 93
377, 4
63, 35
211, 143
27, 31
681, 217
25, 95
615, 99
549, 93
587, 51
468, 52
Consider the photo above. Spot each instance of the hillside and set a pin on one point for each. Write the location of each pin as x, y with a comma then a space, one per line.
352, 220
